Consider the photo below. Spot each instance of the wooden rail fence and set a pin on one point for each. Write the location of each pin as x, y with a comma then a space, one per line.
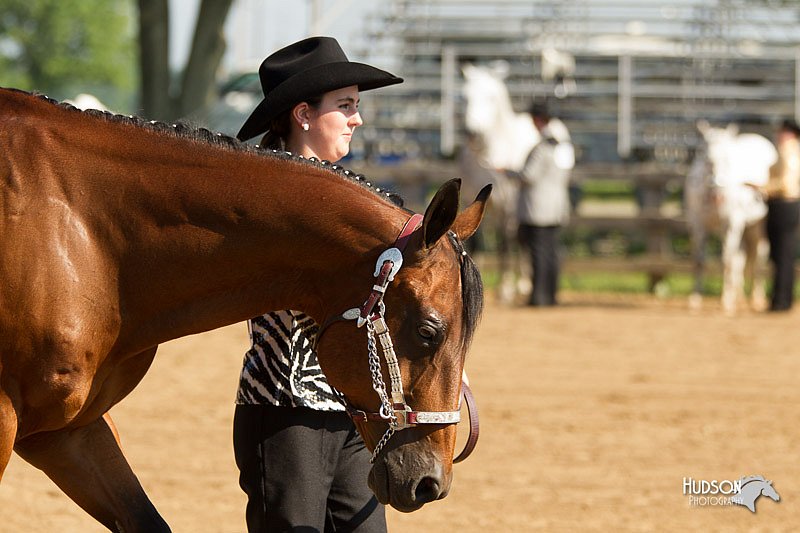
651, 182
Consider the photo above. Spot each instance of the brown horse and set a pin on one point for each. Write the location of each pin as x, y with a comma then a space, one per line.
117, 235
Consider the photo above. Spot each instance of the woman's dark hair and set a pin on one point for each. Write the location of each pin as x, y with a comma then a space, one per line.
791, 125
280, 126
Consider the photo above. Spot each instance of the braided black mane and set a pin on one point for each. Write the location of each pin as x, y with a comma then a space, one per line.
203, 135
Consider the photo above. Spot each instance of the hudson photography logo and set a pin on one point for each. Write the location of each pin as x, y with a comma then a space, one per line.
725, 492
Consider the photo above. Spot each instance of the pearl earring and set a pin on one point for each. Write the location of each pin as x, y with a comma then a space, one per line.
305, 126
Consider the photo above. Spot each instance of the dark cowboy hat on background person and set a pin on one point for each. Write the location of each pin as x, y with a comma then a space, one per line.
305, 69
790, 124
539, 110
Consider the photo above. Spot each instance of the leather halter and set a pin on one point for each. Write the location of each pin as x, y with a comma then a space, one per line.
396, 412
414, 418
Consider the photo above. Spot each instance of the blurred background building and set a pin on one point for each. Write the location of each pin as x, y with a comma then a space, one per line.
629, 77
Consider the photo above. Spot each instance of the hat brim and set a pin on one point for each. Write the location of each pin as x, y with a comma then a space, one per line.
310, 83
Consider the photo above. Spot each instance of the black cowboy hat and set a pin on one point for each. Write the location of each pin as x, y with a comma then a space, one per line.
305, 69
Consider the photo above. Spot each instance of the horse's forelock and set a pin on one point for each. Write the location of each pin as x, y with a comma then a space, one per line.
471, 290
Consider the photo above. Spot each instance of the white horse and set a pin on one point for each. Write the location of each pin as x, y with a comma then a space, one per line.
721, 195
499, 139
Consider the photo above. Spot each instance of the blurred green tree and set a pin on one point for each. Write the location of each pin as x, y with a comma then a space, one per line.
65, 47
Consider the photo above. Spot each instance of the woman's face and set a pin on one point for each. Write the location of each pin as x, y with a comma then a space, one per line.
330, 126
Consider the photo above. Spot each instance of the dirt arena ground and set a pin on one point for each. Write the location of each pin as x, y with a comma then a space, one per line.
592, 414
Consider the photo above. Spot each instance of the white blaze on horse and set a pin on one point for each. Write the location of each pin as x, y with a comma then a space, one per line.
721, 196
500, 139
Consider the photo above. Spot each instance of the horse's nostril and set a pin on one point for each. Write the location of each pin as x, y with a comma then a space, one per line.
427, 490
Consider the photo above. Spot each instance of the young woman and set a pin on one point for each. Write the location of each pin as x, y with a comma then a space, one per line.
302, 463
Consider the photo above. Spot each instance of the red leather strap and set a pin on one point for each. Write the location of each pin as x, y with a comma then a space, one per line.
376, 295
410, 227
357, 415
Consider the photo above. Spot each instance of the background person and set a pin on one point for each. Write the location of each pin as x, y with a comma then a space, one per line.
544, 202
783, 214
302, 463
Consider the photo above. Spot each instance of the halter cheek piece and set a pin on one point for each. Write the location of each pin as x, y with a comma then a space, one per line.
395, 411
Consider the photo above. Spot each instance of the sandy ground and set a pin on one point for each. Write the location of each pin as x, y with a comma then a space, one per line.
592, 414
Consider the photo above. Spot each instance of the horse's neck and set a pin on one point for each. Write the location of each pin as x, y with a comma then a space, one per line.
204, 237
511, 140
287, 248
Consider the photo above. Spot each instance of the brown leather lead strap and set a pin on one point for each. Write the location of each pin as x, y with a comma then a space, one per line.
376, 295
474, 423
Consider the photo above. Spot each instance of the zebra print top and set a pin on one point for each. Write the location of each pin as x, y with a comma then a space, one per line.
281, 368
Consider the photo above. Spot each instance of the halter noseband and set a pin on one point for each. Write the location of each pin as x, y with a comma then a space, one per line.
395, 411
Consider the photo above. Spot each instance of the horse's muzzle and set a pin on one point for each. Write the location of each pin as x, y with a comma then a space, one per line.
408, 481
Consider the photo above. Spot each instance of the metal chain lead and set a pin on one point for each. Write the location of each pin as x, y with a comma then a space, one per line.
381, 444
380, 387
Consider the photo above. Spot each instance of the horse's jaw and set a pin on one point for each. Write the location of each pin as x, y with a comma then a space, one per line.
408, 479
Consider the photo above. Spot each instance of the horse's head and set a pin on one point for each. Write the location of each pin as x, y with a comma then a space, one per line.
718, 145
486, 97
737, 158
431, 311
715, 134
506, 136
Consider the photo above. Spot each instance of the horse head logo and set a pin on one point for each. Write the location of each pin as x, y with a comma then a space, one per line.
751, 488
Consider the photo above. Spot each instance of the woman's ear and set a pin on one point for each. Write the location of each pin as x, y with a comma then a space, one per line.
301, 114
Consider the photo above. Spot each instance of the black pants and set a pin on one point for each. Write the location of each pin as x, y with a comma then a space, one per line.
542, 244
783, 218
303, 471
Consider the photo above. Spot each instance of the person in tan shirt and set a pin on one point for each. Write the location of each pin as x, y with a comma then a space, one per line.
783, 215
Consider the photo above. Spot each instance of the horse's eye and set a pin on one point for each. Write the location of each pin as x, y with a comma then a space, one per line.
427, 332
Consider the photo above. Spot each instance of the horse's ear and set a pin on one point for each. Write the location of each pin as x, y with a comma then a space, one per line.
732, 129
469, 219
467, 69
441, 212
703, 126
